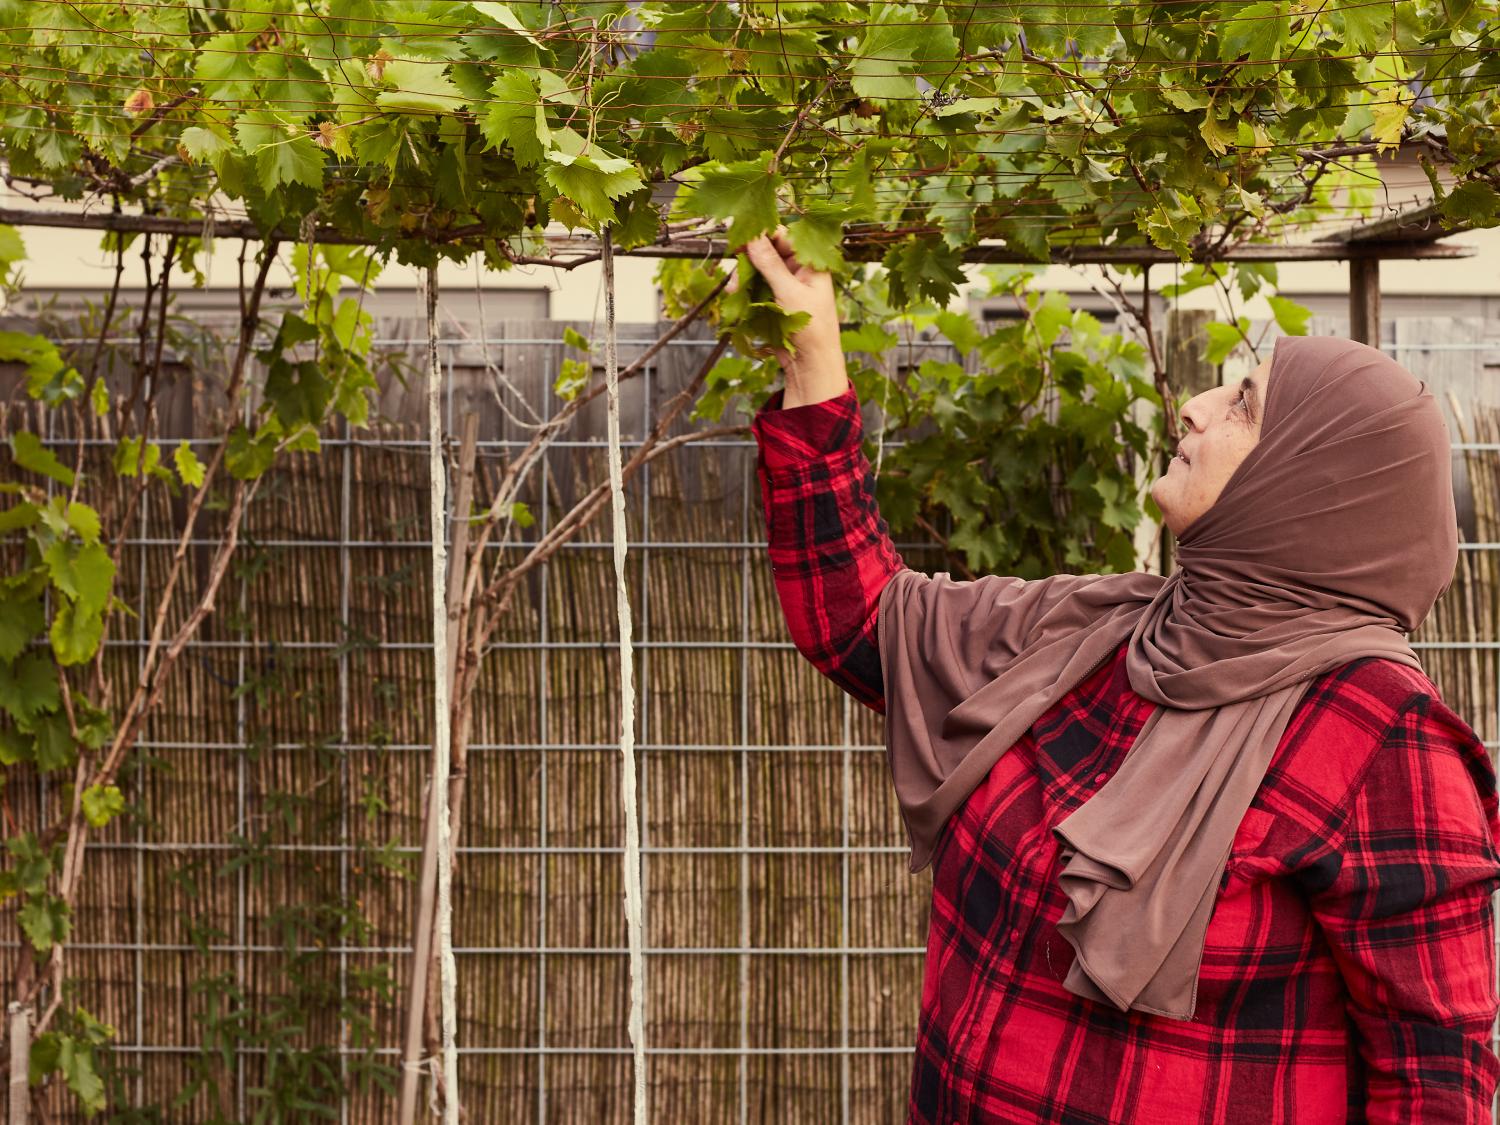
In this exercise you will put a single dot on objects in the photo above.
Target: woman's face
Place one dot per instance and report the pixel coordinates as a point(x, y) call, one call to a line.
point(1220, 427)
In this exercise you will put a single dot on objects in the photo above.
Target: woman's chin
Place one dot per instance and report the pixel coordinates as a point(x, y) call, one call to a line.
point(1164, 492)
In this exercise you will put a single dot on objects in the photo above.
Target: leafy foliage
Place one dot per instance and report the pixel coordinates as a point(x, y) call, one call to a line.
point(434, 127)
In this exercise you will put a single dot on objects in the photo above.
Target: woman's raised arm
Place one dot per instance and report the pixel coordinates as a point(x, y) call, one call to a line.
point(831, 553)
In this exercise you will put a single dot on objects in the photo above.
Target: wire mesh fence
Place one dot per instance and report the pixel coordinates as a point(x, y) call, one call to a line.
point(784, 935)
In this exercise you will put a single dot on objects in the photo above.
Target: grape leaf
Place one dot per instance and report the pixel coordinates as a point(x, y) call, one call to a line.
point(419, 87)
point(30, 453)
point(818, 235)
point(1290, 316)
point(28, 688)
point(102, 803)
point(1367, 27)
point(592, 182)
point(515, 118)
point(284, 153)
point(743, 192)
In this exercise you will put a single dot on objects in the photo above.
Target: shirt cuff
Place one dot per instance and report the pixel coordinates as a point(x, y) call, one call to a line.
point(799, 435)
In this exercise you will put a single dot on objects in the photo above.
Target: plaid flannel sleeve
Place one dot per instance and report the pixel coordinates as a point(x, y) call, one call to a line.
point(1405, 902)
point(831, 553)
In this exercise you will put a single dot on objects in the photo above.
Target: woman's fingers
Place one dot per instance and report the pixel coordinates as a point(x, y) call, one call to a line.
point(764, 256)
point(774, 257)
point(783, 246)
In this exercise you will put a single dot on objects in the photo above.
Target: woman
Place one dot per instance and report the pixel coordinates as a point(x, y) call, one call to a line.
point(1207, 847)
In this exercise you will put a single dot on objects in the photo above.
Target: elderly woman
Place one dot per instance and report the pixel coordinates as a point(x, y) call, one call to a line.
point(1206, 847)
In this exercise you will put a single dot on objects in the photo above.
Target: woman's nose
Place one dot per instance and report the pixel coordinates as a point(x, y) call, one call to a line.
point(1190, 411)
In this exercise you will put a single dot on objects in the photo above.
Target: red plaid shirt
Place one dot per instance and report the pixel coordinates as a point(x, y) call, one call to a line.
point(1350, 963)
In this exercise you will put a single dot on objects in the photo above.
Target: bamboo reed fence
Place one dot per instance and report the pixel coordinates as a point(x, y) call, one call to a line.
point(784, 933)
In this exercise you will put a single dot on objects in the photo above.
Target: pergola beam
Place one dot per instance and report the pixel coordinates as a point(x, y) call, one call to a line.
point(587, 249)
point(1419, 224)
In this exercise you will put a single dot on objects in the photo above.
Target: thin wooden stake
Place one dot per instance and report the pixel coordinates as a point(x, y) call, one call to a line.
point(437, 840)
point(458, 620)
point(633, 937)
point(20, 1064)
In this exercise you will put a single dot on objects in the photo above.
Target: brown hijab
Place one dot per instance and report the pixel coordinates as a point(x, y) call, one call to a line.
point(1330, 542)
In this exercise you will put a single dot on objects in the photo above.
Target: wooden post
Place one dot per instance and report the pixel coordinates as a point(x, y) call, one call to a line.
point(19, 1030)
point(1187, 344)
point(1188, 373)
point(1364, 301)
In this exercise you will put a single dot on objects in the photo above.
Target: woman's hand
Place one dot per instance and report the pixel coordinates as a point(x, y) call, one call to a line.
point(816, 372)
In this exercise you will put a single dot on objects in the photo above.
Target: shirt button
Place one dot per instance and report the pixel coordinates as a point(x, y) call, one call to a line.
point(1101, 778)
point(1015, 935)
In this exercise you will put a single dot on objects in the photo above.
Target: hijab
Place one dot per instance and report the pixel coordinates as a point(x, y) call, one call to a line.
point(1330, 542)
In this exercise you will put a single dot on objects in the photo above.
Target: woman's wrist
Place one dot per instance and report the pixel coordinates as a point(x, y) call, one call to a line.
point(814, 377)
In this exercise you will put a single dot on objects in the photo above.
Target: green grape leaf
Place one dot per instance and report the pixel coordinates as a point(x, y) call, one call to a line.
point(743, 193)
point(1367, 27)
point(1225, 338)
point(1473, 202)
point(28, 688)
point(1219, 136)
point(817, 235)
point(923, 269)
point(225, 66)
point(22, 619)
point(419, 87)
point(515, 118)
point(85, 574)
point(130, 460)
point(49, 377)
point(189, 468)
point(12, 249)
point(1255, 31)
point(19, 516)
point(84, 521)
point(30, 454)
point(247, 456)
point(1290, 316)
point(205, 144)
point(900, 43)
point(15, 748)
point(53, 745)
point(592, 182)
point(572, 378)
point(75, 633)
point(76, 1061)
point(102, 803)
point(44, 919)
point(506, 18)
point(959, 328)
point(284, 152)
